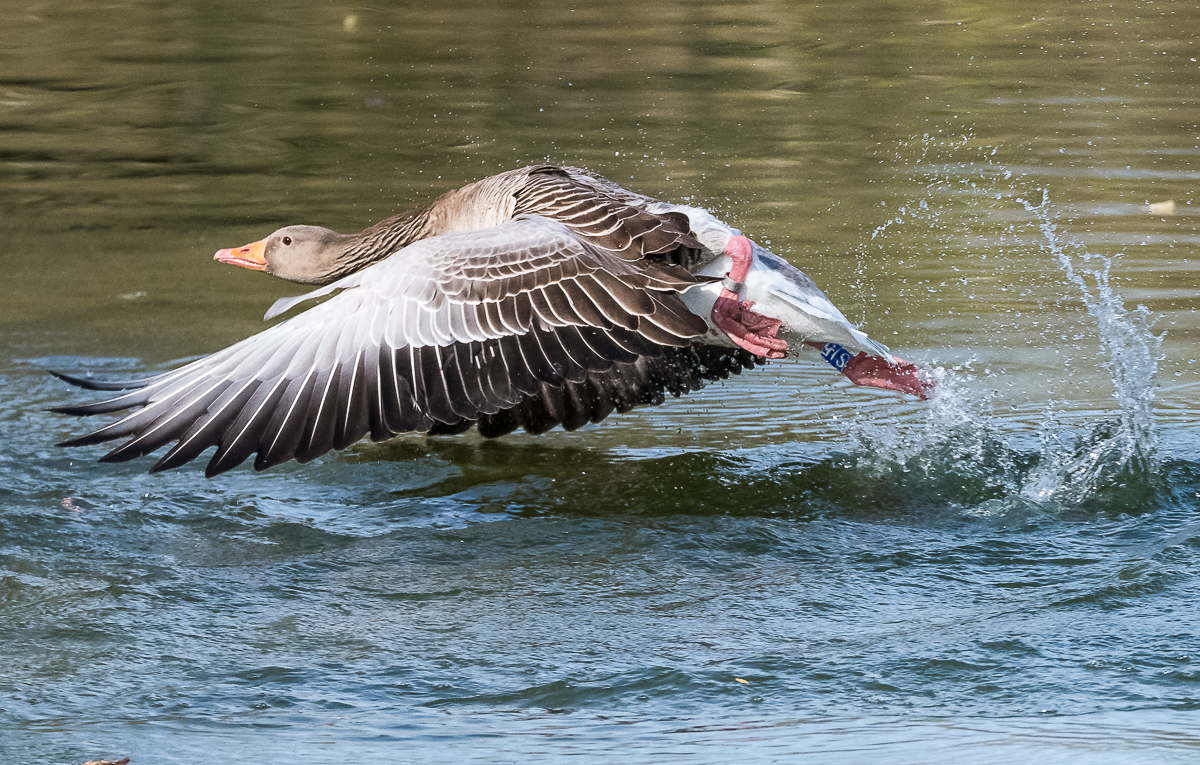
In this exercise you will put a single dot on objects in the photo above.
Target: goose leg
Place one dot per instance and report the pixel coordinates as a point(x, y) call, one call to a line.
point(876, 372)
point(752, 331)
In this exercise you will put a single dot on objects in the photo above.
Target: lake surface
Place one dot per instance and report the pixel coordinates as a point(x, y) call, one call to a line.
point(780, 565)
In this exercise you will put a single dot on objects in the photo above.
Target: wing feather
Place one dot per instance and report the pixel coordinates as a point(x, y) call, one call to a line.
point(451, 330)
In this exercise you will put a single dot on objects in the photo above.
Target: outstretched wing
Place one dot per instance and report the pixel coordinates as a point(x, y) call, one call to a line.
point(448, 331)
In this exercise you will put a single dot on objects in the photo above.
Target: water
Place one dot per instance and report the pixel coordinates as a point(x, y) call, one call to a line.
point(1003, 573)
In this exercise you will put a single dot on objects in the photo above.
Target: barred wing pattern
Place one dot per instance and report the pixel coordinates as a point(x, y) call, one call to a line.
point(449, 331)
point(600, 215)
point(643, 382)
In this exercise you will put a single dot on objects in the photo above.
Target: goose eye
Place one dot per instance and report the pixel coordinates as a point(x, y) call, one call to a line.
point(287, 240)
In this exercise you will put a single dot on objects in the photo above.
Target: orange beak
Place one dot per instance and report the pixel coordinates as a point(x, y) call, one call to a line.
point(249, 256)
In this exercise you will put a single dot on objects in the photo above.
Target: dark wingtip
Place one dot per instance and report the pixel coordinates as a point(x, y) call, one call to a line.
point(99, 407)
point(65, 377)
point(171, 460)
point(65, 410)
point(212, 471)
point(85, 440)
point(119, 455)
point(87, 384)
point(78, 382)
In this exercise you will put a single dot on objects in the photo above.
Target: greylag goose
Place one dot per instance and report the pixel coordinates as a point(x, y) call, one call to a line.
point(538, 297)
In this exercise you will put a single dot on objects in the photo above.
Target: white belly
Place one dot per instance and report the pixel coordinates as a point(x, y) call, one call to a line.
point(782, 291)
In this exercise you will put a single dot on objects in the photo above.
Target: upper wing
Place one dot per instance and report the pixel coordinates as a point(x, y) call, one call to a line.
point(605, 214)
point(448, 330)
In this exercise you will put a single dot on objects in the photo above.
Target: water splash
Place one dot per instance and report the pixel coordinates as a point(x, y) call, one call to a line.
point(1110, 454)
point(969, 458)
point(960, 456)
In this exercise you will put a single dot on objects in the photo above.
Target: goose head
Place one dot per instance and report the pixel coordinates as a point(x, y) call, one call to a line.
point(306, 254)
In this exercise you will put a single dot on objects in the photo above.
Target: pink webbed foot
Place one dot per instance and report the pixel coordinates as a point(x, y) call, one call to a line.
point(875, 372)
point(752, 331)
point(749, 330)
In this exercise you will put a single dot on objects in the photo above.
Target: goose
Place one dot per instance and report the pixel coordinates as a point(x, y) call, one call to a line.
point(540, 297)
